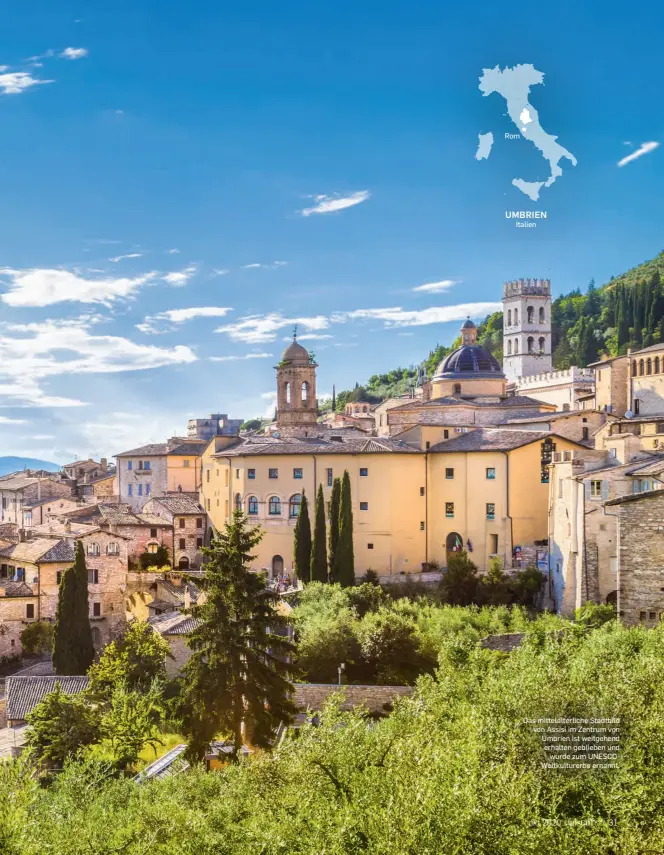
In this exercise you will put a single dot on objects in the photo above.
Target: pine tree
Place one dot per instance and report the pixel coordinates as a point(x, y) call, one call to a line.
point(335, 501)
point(302, 542)
point(73, 650)
point(239, 667)
point(344, 560)
point(318, 545)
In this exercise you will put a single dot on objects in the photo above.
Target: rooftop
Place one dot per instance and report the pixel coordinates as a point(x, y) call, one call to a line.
point(635, 497)
point(179, 503)
point(173, 623)
point(24, 693)
point(509, 401)
point(493, 439)
point(183, 447)
point(253, 446)
point(40, 550)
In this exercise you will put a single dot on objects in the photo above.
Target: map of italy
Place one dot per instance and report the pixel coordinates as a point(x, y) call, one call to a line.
point(514, 85)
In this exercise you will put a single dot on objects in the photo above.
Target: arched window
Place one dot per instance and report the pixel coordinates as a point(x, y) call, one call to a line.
point(113, 549)
point(516, 316)
point(541, 314)
point(274, 506)
point(531, 344)
point(531, 314)
point(288, 393)
point(509, 317)
point(634, 368)
point(357, 409)
point(516, 345)
point(294, 506)
point(641, 366)
point(252, 506)
point(277, 565)
point(656, 368)
point(305, 391)
point(183, 563)
point(152, 548)
point(238, 502)
point(649, 366)
point(541, 344)
point(93, 549)
point(509, 347)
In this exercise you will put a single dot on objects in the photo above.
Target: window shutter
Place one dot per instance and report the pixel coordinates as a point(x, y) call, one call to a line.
point(587, 489)
point(605, 491)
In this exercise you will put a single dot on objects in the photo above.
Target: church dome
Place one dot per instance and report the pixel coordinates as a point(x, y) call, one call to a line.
point(468, 325)
point(295, 353)
point(468, 361)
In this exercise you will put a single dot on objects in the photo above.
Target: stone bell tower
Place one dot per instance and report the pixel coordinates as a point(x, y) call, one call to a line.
point(526, 328)
point(297, 407)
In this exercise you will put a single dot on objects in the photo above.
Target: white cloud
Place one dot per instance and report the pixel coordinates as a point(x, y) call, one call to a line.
point(173, 251)
point(43, 436)
point(398, 317)
point(330, 204)
point(46, 286)
point(220, 271)
point(645, 148)
point(7, 421)
point(117, 258)
point(260, 266)
point(309, 337)
point(436, 287)
point(66, 347)
point(180, 277)
point(15, 82)
point(74, 53)
point(256, 329)
point(271, 398)
point(179, 316)
point(238, 358)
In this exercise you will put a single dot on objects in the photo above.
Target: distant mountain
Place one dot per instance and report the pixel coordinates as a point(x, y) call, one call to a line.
point(16, 464)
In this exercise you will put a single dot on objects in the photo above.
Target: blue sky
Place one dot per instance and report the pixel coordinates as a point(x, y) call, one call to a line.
point(231, 133)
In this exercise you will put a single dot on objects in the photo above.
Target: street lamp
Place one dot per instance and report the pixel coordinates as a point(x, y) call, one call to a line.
point(341, 668)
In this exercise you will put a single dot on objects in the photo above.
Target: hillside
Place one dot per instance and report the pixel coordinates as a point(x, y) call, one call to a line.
point(16, 464)
point(626, 312)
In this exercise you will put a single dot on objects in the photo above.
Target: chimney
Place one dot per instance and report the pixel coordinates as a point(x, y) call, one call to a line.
point(67, 526)
point(187, 597)
point(21, 535)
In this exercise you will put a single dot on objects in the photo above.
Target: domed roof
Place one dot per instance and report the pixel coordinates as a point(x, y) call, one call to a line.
point(295, 353)
point(468, 325)
point(469, 359)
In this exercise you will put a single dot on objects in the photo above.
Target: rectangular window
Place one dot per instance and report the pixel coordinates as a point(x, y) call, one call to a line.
point(427, 445)
point(153, 532)
point(364, 472)
point(449, 509)
point(207, 476)
point(181, 522)
point(652, 615)
point(199, 522)
point(183, 543)
point(446, 434)
point(560, 488)
point(272, 473)
point(642, 615)
point(364, 506)
point(237, 474)
point(329, 478)
point(369, 545)
point(140, 465)
point(494, 544)
point(199, 542)
point(422, 526)
point(130, 491)
point(251, 474)
point(130, 465)
point(660, 427)
point(93, 576)
point(96, 610)
point(490, 511)
point(185, 463)
point(208, 504)
point(147, 489)
point(449, 474)
point(421, 491)
point(29, 610)
point(297, 473)
point(140, 489)
point(585, 433)
point(637, 406)
point(613, 564)
point(491, 473)
point(147, 465)
point(595, 489)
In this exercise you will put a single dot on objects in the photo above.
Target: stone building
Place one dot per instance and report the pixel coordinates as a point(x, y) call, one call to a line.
point(84, 471)
point(25, 488)
point(632, 383)
point(566, 389)
point(159, 469)
point(639, 572)
point(216, 424)
point(187, 520)
point(526, 328)
point(297, 407)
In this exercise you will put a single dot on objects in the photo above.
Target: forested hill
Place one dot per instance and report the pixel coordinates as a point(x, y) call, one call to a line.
point(626, 312)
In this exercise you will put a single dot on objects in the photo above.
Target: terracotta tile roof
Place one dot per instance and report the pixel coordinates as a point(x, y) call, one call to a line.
point(24, 693)
point(40, 550)
point(344, 445)
point(510, 401)
point(494, 439)
point(159, 449)
point(18, 589)
point(180, 503)
point(635, 497)
point(173, 624)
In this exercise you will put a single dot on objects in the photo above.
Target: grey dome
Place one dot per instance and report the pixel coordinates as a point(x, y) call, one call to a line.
point(469, 360)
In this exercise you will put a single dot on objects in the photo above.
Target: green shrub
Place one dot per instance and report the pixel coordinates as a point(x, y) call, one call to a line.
point(37, 638)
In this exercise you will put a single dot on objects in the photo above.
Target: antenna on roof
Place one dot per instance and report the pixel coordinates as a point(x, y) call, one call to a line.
point(295, 333)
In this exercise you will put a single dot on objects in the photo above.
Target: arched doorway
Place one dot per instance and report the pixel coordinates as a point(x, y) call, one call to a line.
point(453, 543)
point(183, 563)
point(612, 598)
point(277, 566)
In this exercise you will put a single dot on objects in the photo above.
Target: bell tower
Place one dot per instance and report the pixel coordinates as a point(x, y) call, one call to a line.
point(297, 407)
point(526, 328)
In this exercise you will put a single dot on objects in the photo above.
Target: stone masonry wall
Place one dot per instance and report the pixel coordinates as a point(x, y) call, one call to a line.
point(641, 567)
point(375, 698)
point(185, 528)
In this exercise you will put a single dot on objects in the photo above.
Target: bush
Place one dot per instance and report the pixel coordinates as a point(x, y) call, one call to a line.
point(37, 638)
point(458, 586)
point(366, 598)
point(593, 615)
point(160, 558)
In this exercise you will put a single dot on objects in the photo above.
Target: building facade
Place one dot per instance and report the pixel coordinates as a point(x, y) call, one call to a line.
point(158, 469)
point(526, 328)
point(216, 424)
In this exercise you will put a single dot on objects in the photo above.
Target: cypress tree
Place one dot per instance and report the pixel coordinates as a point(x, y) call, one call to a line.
point(318, 546)
point(238, 672)
point(335, 501)
point(344, 561)
point(302, 544)
point(73, 650)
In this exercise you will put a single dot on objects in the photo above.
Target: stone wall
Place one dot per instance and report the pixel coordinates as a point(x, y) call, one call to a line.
point(140, 536)
point(377, 699)
point(185, 529)
point(641, 564)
